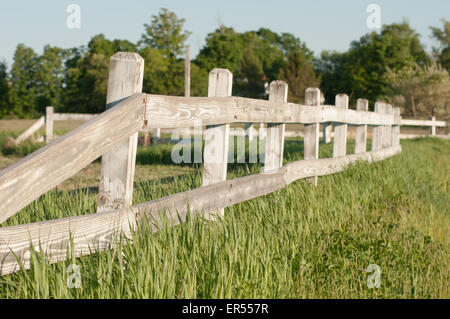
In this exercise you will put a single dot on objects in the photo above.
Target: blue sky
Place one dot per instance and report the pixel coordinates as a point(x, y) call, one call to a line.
point(321, 24)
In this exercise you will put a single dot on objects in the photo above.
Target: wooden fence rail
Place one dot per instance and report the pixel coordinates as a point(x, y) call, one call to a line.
point(113, 135)
point(31, 130)
point(327, 133)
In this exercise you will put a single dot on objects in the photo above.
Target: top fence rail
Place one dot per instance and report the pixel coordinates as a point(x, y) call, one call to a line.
point(175, 112)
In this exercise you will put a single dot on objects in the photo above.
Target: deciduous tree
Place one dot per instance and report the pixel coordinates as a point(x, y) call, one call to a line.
point(443, 37)
point(360, 72)
point(23, 82)
point(165, 32)
point(422, 91)
point(299, 75)
point(5, 105)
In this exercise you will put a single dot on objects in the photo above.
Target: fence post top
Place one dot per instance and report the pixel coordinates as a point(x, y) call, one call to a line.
point(221, 71)
point(220, 83)
point(127, 56)
point(278, 90)
point(278, 83)
point(312, 96)
point(313, 90)
point(396, 111)
point(342, 100)
point(379, 107)
point(388, 108)
point(362, 105)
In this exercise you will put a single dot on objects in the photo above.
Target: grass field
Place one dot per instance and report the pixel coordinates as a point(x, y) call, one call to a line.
point(300, 242)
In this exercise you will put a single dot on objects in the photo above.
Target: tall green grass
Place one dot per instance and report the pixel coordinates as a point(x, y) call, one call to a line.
point(300, 242)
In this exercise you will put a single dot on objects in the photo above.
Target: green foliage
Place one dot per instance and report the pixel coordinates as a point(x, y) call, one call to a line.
point(250, 78)
point(162, 75)
point(223, 49)
point(23, 82)
point(156, 70)
point(334, 72)
point(36, 81)
point(87, 74)
point(87, 84)
point(100, 45)
point(360, 72)
point(160, 46)
point(8, 147)
point(299, 74)
point(254, 58)
point(49, 78)
point(5, 104)
point(166, 76)
point(443, 37)
point(421, 90)
point(165, 33)
point(199, 80)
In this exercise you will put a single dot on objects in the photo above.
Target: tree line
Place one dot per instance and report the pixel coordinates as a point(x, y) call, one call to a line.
point(390, 65)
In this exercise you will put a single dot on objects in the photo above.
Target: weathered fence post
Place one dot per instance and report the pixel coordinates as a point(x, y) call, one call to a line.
point(262, 135)
point(187, 72)
point(340, 129)
point(156, 136)
point(126, 73)
point(361, 130)
point(249, 131)
point(146, 139)
point(278, 92)
point(387, 129)
point(377, 133)
point(311, 136)
point(433, 127)
point(395, 136)
point(216, 136)
point(327, 129)
point(252, 143)
point(49, 111)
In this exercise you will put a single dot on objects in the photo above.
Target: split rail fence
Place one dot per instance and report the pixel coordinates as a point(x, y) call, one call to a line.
point(113, 135)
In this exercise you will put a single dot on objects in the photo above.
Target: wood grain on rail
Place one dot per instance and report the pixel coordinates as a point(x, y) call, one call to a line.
point(175, 112)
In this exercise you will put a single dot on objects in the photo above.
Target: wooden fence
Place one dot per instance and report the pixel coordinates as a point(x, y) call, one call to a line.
point(326, 134)
point(113, 135)
point(31, 130)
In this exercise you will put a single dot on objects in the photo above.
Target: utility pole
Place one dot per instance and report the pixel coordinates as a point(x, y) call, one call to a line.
point(187, 72)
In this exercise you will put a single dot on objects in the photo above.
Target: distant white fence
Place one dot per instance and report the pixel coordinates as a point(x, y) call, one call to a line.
point(432, 124)
point(48, 121)
point(31, 130)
